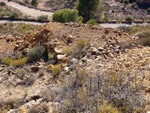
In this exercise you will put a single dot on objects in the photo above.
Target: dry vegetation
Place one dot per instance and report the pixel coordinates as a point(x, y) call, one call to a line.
point(73, 68)
point(17, 29)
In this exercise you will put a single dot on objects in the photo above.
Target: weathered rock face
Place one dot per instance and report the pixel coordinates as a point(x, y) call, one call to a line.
point(142, 1)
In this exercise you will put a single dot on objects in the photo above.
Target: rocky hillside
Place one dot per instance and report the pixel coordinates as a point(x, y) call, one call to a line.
point(71, 51)
point(115, 10)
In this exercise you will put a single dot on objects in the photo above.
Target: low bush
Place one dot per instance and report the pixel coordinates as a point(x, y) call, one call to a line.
point(14, 62)
point(144, 38)
point(13, 15)
point(77, 50)
point(42, 17)
point(129, 19)
point(56, 69)
point(108, 92)
point(34, 2)
point(35, 54)
point(2, 4)
point(67, 15)
point(106, 18)
point(92, 21)
point(50, 56)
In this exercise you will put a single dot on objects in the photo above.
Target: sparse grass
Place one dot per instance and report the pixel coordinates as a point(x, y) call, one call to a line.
point(129, 18)
point(144, 38)
point(17, 29)
point(14, 62)
point(56, 69)
point(42, 17)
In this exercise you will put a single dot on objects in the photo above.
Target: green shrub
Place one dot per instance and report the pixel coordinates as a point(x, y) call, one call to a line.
point(35, 54)
point(148, 10)
point(13, 15)
point(25, 17)
point(50, 56)
point(14, 62)
point(67, 15)
point(2, 4)
point(106, 18)
point(34, 2)
point(125, 28)
point(130, 19)
point(92, 21)
point(42, 17)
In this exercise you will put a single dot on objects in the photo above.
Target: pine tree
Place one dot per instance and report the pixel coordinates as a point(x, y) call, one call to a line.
point(90, 9)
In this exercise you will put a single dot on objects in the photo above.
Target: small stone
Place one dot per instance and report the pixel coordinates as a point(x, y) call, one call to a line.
point(100, 48)
point(25, 51)
point(60, 57)
point(66, 69)
point(11, 71)
point(35, 69)
point(94, 51)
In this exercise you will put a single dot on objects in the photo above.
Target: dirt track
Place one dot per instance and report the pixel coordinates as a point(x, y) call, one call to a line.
point(27, 11)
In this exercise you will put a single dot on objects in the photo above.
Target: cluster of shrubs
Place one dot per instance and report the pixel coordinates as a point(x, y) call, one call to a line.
point(33, 55)
point(106, 92)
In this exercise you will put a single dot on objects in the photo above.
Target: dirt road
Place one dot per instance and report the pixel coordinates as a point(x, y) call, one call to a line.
point(27, 11)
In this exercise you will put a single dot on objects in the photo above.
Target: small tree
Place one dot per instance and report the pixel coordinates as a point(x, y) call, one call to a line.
point(34, 2)
point(90, 9)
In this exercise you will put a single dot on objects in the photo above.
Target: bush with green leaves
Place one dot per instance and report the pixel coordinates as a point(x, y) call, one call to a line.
point(106, 18)
point(92, 21)
point(67, 15)
point(90, 9)
point(129, 19)
point(34, 2)
point(42, 17)
point(13, 15)
point(2, 4)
